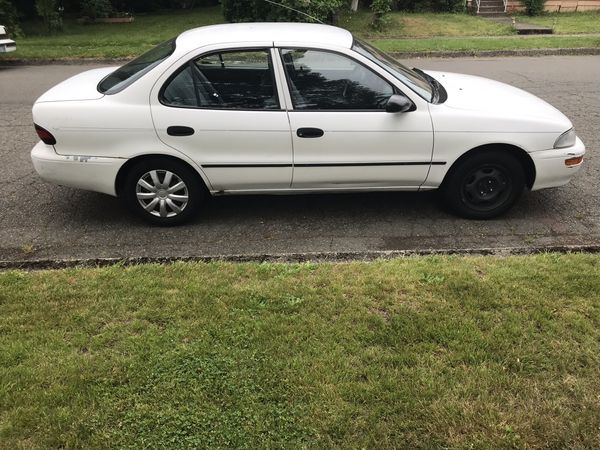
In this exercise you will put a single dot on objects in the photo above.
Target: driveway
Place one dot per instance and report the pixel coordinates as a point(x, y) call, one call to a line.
point(42, 221)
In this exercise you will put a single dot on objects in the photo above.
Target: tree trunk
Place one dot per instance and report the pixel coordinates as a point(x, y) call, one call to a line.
point(354, 5)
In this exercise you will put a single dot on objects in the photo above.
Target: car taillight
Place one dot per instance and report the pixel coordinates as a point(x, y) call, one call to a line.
point(45, 135)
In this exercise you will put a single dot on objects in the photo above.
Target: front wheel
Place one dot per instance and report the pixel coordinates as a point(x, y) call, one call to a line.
point(163, 191)
point(484, 185)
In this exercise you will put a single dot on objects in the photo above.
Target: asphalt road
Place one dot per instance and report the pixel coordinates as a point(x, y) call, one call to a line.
point(43, 221)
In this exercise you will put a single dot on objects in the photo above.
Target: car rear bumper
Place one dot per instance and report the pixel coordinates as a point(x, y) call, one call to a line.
point(84, 172)
point(551, 169)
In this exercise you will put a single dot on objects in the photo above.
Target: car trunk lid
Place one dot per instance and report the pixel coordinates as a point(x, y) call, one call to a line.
point(83, 86)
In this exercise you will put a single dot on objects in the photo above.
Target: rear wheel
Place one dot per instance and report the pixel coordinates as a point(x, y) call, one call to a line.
point(163, 191)
point(484, 185)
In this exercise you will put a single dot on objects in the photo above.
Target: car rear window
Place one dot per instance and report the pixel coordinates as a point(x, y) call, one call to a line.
point(134, 70)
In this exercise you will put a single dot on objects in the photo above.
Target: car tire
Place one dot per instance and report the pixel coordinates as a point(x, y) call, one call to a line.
point(163, 191)
point(484, 185)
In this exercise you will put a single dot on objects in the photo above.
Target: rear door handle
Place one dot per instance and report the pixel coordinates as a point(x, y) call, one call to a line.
point(310, 132)
point(180, 131)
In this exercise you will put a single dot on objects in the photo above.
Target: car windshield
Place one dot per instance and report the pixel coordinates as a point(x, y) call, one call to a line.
point(134, 70)
point(410, 78)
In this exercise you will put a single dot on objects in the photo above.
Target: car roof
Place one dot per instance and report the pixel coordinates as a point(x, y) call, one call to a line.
point(305, 33)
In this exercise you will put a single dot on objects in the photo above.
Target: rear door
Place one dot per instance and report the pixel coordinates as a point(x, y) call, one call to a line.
point(222, 109)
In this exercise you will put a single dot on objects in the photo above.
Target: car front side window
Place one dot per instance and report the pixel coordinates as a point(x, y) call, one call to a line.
point(324, 80)
point(239, 80)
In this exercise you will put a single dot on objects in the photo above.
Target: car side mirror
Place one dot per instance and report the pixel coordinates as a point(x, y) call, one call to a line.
point(398, 103)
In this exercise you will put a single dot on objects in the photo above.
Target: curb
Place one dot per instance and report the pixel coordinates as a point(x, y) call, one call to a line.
point(400, 55)
point(500, 53)
point(323, 257)
point(63, 61)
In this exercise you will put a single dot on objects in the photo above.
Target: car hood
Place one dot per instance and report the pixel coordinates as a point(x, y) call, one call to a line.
point(478, 94)
point(83, 86)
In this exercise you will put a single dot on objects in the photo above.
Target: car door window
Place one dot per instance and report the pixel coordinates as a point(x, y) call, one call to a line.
point(322, 80)
point(241, 79)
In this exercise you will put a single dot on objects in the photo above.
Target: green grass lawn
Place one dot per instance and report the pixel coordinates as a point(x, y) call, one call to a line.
point(423, 25)
point(112, 40)
point(569, 23)
point(433, 352)
point(405, 32)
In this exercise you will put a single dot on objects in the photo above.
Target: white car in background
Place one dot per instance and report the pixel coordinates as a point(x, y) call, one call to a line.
point(276, 108)
point(6, 44)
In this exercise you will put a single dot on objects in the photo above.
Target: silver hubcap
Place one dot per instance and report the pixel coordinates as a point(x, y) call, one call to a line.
point(162, 193)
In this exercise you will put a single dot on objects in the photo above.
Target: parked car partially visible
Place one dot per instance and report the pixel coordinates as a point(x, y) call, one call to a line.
point(6, 44)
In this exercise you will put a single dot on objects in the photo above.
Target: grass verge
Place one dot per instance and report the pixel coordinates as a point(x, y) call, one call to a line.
point(485, 43)
point(452, 352)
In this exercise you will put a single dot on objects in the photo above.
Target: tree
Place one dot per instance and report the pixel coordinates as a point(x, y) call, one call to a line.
point(48, 11)
point(8, 17)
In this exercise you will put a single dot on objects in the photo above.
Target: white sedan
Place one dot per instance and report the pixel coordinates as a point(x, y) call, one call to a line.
point(293, 108)
point(6, 45)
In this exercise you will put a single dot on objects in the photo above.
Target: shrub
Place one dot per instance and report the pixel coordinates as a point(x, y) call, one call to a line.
point(452, 6)
point(380, 10)
point(534, 7)
point(188, 4)
point(261, 11)
point(96, 8)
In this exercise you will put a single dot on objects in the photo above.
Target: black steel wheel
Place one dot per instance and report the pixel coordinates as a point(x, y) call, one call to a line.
point(484, 185)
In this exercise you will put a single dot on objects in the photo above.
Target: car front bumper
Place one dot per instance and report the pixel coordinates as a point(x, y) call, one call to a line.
point(551, 169)
point(83, 172)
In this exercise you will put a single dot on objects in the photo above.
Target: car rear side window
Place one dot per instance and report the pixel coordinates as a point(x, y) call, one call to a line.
point(241, 79)
point(134, 70)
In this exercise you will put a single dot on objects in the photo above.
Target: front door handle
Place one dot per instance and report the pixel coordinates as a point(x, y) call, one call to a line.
point(180, 131)
point(310, 132)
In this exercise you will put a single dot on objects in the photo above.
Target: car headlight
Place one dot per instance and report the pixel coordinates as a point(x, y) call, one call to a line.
point(567, 139)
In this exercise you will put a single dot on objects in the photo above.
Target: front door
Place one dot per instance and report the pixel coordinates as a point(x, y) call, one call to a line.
point(222, 110)
point(343, 137)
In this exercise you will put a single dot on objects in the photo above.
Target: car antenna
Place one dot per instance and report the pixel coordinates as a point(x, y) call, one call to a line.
point(295, 10)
